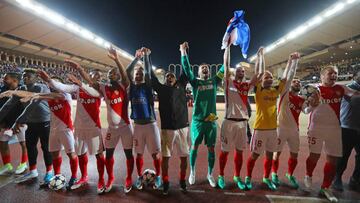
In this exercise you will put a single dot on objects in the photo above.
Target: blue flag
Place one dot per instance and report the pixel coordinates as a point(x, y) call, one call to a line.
point(237, 33)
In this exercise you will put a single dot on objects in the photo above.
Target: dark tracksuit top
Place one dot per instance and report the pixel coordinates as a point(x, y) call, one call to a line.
point(172, 103)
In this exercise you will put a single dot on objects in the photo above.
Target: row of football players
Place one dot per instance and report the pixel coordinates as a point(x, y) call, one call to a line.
point(173, 114)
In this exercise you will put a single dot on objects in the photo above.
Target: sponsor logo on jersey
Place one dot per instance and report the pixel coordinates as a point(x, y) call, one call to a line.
point(242, 92)
point(267, 98)
point(330, 101)
point(206, 87)
point(87, 101)
point(56, 107)
point(116, 100)
point(139, 100)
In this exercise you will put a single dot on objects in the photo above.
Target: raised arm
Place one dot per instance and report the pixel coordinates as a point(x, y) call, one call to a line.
point(147, 65)
point(185, 62)
point(291, 67)
point(227, 63)
point(154, 81)
point(43, 96)
point(112, 53)
point(260, 61)
point(130, 67)
point(91, 91)
point(82, 72)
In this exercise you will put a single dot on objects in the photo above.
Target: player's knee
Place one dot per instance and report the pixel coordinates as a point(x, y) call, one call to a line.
point(293, 155)
point(254, 155)
point(109, 152)
point(128, 153)
point(314, 156)
point(155, 156)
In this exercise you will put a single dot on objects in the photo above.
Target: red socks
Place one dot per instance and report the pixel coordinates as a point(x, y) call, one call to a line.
point(329, 174)
point(57, 165)
point(100, 162)
point(129, 167)
point(109, 163)
point(222, 161)
point(48, 168)
point(157, 164)
point(139, 164)
point(33, 167)
point(24, 158)
point(6, 158)
point(267, 167)
point(238, 160)
point(83, 161)
point(182, 174)
point(275, 165)
point(310, 166)
point(250, 165)
point(74, 163)
point(292, 165)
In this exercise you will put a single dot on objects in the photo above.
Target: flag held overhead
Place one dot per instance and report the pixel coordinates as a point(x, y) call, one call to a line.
point(237, 33)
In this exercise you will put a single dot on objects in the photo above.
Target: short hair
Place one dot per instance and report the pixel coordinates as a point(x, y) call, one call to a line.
point(14, 75)
point(327, 68)
point(139, 67)
point(30, 70)
point(169, 72)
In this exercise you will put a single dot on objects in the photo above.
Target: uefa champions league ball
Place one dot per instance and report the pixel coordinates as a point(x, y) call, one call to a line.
point(57, 182)
point(148, 177)
point(308, 90)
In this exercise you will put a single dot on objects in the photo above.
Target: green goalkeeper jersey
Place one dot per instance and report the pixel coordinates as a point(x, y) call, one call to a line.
point(204, 91)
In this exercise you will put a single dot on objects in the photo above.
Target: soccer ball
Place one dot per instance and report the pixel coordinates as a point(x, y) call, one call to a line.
point(308, 90)
point(148, 177)
point(57, 182)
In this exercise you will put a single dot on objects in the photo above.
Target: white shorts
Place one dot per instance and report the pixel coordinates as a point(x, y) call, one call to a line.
point(332, 139)
point(125, 132)
point(148, 135)
point(92, 145)
point(291, 136)
point(179, 138)
point(264, 140)
point(233, 133)
point(6, 134)
point(60, 139)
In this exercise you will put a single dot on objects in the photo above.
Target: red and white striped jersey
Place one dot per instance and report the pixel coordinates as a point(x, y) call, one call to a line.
point(290, 107)
point(236, 99)
point(61, 113)
point(117, 103)
point(327, 114)
point(87, 107)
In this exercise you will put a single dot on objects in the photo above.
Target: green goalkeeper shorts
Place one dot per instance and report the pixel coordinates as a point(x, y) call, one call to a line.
point(201, 130)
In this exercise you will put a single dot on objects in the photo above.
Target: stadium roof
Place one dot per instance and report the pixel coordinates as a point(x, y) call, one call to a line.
point(30, 27)
point(333, 32)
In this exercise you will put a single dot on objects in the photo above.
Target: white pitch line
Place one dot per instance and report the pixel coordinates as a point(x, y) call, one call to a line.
point(197, 191)
point(235, 193)
point(273, 198)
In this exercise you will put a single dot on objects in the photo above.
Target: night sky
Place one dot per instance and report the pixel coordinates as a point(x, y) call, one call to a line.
point(162, 25)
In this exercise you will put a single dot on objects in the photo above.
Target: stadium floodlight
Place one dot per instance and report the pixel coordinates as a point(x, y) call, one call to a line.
point(51, 16)
point(338, 7)
point(350, 1)
point(310, 24)
point(55, 18)
point(315, 21)
point(100, 41)
point(87, 34)
point(72, 27)
point(270, 48)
